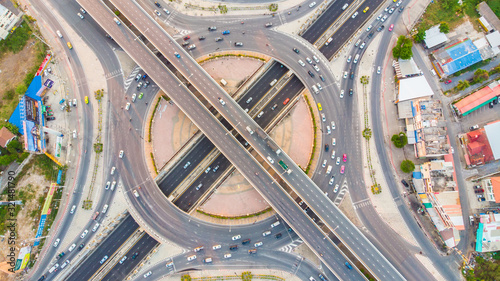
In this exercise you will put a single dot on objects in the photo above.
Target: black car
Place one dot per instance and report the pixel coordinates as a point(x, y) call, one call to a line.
point(491, 105)
point(246, 241)
point(81, 246)
point(278, 236)
point(296, 50)
point(42, 278)
point(157, 4)
point(146, 84)
point(327, 147)
point(311, 74)
point(50, 118)
point(370, 35)
point(352, 74)
point(405, 183)
point(201, 38)
point(322, 78)
point(350, 92)
point(380, 28)
point(233, 247)
point(401, 9)
point(135, 255)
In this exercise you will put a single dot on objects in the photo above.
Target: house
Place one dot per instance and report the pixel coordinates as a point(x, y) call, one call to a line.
point(5, 137)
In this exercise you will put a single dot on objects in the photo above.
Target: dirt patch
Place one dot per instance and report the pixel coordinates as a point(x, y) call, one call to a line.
point(14, 67)
point(347, 208)
point(32, 188)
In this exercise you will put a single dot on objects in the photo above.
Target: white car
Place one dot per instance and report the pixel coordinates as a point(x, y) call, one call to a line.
point(222, 102)
point(81, 16)
point(324, 163)
point(399, 3)
point(336, 189)
point(84, 234)
point(349, 59)
point(362, 45)
point(316, 68)
point(329, 41)
point(323, 117)
point(309, 61)
point(123, 259)
point(107, 185)
point(127, 106)
point(57, 242)
point(216, 247)
point(74, 134)
point(191, 258)
point(379, 17)
point(266, 233)
point(391, 11)
point(312, 4)
point(334, 142)
point(333, 125)
point(384, 18)
point(342, 94)
point(105, 258)
point(113, 170)
point(157, 13)
point(74, 102)
point(148, 274)
point(72, 247)
point(236, 237)
point(136, 193)
point(166, 11)
point(338, 161)
point(96, 226)
point(113, 185)
point(121, 154)
point(333, 153)
point(73, 209)
point(319, 86)
point(315, 59)
point(369, 28)
point(345, 6)
point(355, 14)
point(332, 179)
point(258, 244)
point(65, 264)
point(133, 97)
point(378, 70)
point(328, 131)
point(271, 160)
point(301, 63)
point(345, 74)
point(226, 256)
point(105, 208)
point(260, 114)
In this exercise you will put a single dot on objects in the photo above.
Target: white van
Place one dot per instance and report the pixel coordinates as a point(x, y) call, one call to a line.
point(273, 82)
point(356, 58)
point(315, 89)
point(275, 224)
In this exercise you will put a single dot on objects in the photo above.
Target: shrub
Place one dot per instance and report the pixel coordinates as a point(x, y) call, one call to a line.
point(399, 140)
point(407, 166)
point(444, 27)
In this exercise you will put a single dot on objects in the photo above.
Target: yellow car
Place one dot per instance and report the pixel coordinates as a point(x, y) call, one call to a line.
point(86, 99)
point(366, 9)
point(319, 107)
point(69, 45)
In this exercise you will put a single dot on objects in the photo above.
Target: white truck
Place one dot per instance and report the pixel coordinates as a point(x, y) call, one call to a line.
point(329, 169)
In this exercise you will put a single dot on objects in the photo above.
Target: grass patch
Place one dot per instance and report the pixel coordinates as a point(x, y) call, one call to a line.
point(237, 217)
point(230, 55)
point(154, 163)
point(315, 127)
point(151, 121)
point(439, 12)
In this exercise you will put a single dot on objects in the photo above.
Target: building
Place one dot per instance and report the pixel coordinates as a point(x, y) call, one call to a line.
point(434, 38)
point(487, 13)
point(406, 68)
point(436, 186)
point(8, 18)
point(455, 57)
point(5, 137)
point(488, 233)
point(478, 99)
point(482, 145)
point(494, 40)
point(491, 188)
point(413, 88)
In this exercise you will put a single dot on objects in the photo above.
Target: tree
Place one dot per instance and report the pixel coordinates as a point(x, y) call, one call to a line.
point(444, 27)
point(420, 36)
point(403, 48)
point(21, 89)
point(462, 85)
point(399, 140)
point(480, 75)
point(407, 166)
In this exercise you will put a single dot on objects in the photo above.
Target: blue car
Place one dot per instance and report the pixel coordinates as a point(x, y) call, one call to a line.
point(177, 55)
point(62, 101)
point(348, 265)
point(226, 32)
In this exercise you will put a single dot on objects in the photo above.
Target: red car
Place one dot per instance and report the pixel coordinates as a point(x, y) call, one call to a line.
point(391, 27)
point(187, 37)
point(344, 157)
point(447, 82)
point(286, 101)
point(342, 169)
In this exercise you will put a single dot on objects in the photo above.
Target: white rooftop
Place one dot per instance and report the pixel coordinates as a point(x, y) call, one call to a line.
point(434, 37)
point(493, 134)
point(494, 38)
point(414, 87)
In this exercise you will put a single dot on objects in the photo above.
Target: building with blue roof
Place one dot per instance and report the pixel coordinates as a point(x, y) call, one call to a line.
point(455, 57)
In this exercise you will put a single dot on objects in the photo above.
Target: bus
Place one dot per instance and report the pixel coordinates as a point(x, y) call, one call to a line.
point(69, 45)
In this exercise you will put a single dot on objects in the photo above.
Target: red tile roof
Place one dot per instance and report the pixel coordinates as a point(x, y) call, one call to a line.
point(476, 99)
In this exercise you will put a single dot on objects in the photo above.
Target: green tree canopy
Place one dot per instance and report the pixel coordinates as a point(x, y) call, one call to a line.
point(420, 36)
point(403, 48)
point(407, 166)
point(399, 140)
point(480, 76)
point(444, 27)
point(462, 85)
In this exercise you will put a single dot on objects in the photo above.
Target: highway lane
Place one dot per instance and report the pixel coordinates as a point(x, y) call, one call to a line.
point(87, 268)
point(231, 147)
point(233, 112)
point(134, 256)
